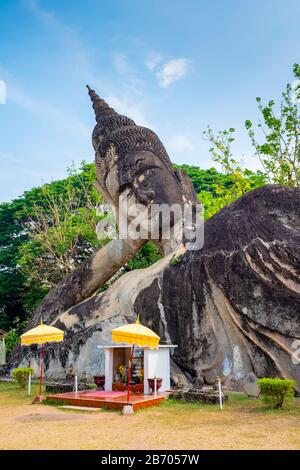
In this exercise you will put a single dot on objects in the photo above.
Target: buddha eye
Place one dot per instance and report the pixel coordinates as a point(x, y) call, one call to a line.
point(146, 182)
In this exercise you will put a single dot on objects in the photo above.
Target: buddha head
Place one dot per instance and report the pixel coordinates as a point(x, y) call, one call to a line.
point(132, 162)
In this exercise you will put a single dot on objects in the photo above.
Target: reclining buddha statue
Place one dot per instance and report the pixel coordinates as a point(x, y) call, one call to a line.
point(232, 306)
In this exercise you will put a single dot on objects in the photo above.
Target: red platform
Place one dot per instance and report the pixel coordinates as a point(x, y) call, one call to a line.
point(101, 399)
point(103, 394)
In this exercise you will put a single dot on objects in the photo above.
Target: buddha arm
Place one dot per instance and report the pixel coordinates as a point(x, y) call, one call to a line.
point(87, 278)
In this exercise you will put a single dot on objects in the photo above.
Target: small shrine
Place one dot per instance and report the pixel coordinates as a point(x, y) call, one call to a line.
point(147, 365)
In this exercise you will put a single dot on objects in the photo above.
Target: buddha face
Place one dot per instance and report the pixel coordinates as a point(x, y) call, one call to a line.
point(143, 179)
point(146, 179)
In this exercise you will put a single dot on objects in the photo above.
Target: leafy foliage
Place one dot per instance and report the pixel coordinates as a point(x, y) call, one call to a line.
point(12, 339)
point(206, 180)
point(12, 309)
point(175, 260)
point(61, 231)
point(296, 70)
point(276, 392)
point(146, 256)
point(279, 152)
point(235, 181)
point(43, 235)
point(21, 375)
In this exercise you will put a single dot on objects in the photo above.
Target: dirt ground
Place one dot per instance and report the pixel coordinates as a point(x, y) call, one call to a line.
point(243, 424)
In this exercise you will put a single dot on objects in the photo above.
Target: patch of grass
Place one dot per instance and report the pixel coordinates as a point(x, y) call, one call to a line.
point(289, 409)
point(234, 398)
point(175, 403)
point(243, 424)
point(55, 403)
point(238, 397)
point(5, 386)
point(11, 393)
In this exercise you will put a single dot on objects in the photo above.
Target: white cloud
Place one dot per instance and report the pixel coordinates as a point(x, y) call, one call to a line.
point(153, 60)
point(172, 71)
point(180, 143)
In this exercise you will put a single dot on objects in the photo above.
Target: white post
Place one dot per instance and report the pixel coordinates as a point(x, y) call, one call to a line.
point(4, 351)
point(76, 384)
point(220, 393)
point(29, 384)
point(146, 371)
point(109, 358)
point(155, 386)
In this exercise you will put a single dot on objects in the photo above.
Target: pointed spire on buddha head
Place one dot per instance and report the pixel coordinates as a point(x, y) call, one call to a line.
point(101, 108)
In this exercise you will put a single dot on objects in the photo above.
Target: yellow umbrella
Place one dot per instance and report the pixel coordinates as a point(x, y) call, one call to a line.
point(40, 335)
point(135, 333)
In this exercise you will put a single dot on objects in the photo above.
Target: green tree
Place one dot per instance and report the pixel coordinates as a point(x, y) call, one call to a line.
point(61, 232)
point(279, 149)
point(22, 238)
point(12, 290)
point(206, 180)
point(235, 180)
point(12, 337)
point(275, 392)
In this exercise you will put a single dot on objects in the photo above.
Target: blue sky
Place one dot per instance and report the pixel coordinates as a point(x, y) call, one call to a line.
point(173, 65)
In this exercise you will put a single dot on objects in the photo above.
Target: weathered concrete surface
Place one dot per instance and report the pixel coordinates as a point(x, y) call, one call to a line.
point(232, 307)
point(251, 386)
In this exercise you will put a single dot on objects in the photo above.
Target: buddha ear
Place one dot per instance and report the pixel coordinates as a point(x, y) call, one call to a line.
point(186, 185)
point(103, 192)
